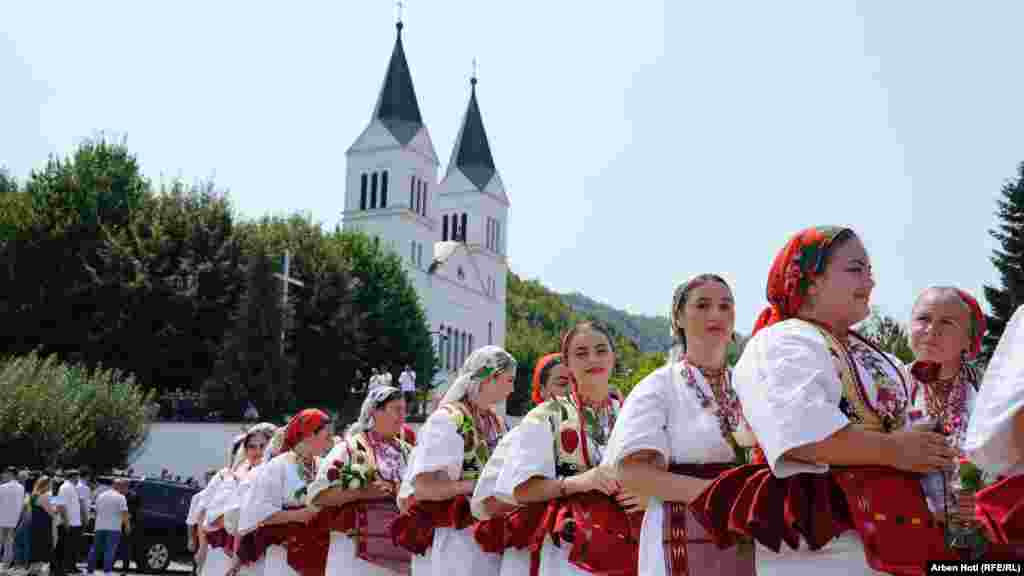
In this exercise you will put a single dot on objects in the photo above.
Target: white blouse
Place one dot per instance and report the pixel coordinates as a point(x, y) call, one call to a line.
point(274, 486)
point(438, 447)
point(990, 435)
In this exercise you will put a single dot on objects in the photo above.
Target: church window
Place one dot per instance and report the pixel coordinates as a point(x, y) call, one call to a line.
point(384, 189)
point(419, 198)
point(490, 333)
point(448, 345)
point(464, 226)
point(373, 191)
point(471, 342)
point(419, 255)
point(362, 192)
point(412, 190)
point(412, 249)
point(465, 350)
point(444, 228)
point(426, 194)
point(497, 236)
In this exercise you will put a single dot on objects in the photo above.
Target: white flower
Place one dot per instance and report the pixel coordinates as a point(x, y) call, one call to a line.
point(744, 436)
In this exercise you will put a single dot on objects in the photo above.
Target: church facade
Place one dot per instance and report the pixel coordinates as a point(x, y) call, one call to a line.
point(450, 232)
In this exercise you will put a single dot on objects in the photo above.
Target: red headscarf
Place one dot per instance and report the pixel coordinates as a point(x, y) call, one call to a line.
point(302, 426)
point(544, 362)
point(794, 267)
point(978, 323)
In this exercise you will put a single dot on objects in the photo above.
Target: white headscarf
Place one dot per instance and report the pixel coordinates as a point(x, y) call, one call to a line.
point(482, 364)
point(990, 442)
point(375, 399)
point(265, 428)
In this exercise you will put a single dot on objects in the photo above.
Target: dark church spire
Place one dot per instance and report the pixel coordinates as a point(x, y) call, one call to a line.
point(397, 107)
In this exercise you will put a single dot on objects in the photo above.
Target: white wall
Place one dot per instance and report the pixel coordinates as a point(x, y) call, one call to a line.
point(185, 448)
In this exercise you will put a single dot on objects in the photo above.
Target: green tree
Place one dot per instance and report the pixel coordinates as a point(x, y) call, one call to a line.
point(56, 414)
point(1008, 258)
point(888, 334)
point(253, 366)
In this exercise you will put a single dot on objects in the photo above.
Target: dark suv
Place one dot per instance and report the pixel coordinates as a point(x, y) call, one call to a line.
point(159, 510)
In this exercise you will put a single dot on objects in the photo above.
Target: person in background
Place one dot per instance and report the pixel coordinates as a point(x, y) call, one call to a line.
point(111, 518)
point(41, 534)
point(407, 383)
point(127, 543)
point(374, 379)
point(71, 531)
point(12, 498)
point(385, 376)
point(22, 534)
point(85, 496)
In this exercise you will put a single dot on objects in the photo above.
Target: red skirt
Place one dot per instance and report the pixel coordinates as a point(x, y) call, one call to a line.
point(603, 538)
point(414, 531)
point(1000, 509)
point(221, 539)
point(689, 548)
point(305, 544)
point(885, 506)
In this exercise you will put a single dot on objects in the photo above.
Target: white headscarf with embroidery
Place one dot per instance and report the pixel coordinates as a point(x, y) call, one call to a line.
point(375, 399)
point(482, 364)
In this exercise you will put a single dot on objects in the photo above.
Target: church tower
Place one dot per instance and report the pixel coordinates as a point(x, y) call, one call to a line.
point(391, 170)
point(473, 212)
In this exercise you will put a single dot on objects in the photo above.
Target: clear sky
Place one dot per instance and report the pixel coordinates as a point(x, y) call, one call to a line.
point(640, 142)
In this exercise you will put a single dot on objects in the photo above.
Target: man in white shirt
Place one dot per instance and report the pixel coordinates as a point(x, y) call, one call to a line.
point(70, 533)
point(407, 384)
point(12, 499)
point(84, 498)
point(385, 376)
point(374, 380)
point(111, 516)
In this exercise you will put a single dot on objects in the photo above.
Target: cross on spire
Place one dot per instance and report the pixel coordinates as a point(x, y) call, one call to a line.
point(400, 6)
point(472, 79)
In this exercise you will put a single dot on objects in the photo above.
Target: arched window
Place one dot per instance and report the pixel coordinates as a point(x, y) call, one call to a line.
point(373, 191)
point(362, 192)
point(490, 333)
point(448, 346)
point(384, 189)
point(471, 342)
point(444, 228)
point(412, 189)
point(426, 194)
point(464, 226)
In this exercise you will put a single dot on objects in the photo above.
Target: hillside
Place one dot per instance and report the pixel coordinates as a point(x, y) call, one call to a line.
point(650, 333)
point(537, 318)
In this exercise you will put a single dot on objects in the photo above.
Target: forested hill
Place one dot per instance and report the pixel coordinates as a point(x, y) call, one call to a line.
point(650, 333)
point(537, 318)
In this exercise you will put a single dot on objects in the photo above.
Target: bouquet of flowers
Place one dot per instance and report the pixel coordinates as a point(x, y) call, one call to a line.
point(969, 537)
point(352, 475)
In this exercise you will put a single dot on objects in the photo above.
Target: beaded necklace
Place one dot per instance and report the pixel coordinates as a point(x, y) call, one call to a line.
point(727, 409)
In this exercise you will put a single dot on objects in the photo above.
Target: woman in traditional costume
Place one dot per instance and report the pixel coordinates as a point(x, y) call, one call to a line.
point(829, 410)
point(219, 523)
point(502, 527)
point(946, 329)
point(356, 485)
point(680, 427)
point(551, 465)
point(452, 447)
point(274, 519)
point(550, 379)
point(995, 440)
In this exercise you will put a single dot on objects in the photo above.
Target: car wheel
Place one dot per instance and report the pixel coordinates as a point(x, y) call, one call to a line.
point(155, 557)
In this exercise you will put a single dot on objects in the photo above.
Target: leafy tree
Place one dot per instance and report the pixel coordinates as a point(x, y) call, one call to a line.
point(7, 182)
point(1008, 258)
point(253, 366)
point(888, 334)
point(55, 414)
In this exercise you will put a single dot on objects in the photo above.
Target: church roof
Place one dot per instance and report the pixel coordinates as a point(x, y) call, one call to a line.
point(397, 107)
point(472, 153)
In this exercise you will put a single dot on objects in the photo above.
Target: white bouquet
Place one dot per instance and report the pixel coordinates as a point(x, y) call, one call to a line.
point(352, 475)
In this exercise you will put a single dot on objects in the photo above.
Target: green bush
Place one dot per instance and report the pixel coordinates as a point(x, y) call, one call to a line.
point(59, 415)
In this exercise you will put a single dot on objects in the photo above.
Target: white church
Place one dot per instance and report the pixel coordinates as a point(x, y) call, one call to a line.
point(451, 235)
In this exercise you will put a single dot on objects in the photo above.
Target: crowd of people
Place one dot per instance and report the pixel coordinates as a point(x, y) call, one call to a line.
point(818, 453)
point(42, 516)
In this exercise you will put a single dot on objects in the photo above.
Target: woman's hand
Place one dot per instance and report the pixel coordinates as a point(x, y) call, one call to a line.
point(381, 489)
point(599, 479)
point(631, 502)
point(495, 507)
point(921, 452)
point(406, 504)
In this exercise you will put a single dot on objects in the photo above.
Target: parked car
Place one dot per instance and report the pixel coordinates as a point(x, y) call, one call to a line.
point(159, 511)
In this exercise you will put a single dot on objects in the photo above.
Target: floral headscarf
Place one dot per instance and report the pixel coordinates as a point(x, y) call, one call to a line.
point(544, 365)
point(376, 398)
point(482, 364)
point(303, 425)
point(794, 267)
point(978, 323)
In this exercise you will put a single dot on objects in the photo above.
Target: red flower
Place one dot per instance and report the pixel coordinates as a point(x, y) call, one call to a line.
point(570, 440)
point(333, 474)
point(964, 461)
